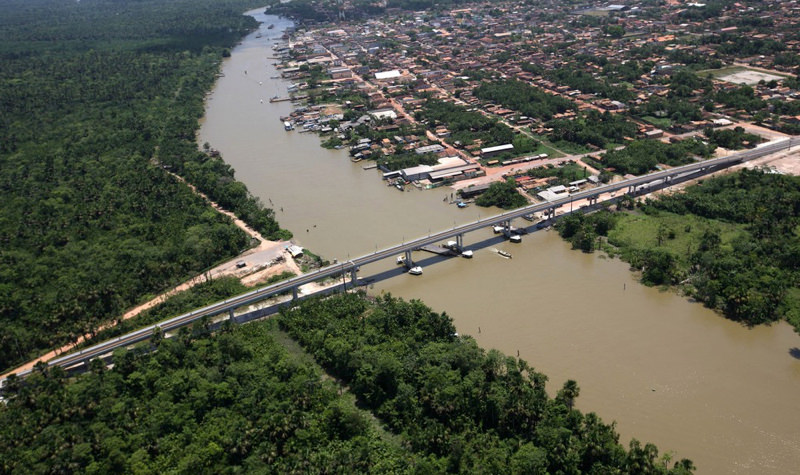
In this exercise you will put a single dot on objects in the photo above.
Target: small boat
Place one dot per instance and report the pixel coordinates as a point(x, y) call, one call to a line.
point(504, 253)
point(416, 270)
point(516, 238)
point(287, 126)
point(461, 204)
point(401, 260)
point(399, 186)
point(467, 254)
point(498, 229)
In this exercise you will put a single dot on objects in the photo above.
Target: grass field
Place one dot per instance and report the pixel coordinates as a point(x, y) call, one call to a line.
point(680, 234)
point(571, 148)
point(545, 146)
point(660, 122)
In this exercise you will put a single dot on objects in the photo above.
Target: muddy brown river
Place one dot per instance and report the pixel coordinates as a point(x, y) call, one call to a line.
point(666, 370)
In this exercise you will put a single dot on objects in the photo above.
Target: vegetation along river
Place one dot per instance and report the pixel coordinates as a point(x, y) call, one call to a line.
point(668, 371)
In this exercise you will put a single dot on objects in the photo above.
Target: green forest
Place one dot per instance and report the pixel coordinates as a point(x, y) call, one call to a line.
point(398, 391)
point(502, 194)
point(101, 98)
point(730, 242)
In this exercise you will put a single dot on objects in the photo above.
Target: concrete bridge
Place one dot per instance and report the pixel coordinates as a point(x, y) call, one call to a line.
point(350, 267)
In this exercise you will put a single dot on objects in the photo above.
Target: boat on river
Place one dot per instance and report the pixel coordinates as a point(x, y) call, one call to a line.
point(467, 254)
point(515, 238)
point(416, 270)
point(504, 253)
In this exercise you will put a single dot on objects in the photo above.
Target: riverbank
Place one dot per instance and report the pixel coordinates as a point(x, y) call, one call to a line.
point(254, 266)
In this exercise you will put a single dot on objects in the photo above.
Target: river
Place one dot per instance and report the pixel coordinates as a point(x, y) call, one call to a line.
point(666, 370)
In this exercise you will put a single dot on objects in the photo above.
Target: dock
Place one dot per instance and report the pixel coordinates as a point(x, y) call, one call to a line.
point(280, 99)
point(371, 166)
point(436, 249)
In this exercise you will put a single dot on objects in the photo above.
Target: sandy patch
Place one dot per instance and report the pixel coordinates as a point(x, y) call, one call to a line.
point(749, 77)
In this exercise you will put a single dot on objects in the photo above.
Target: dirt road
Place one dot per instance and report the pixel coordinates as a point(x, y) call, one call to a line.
point(254, 266)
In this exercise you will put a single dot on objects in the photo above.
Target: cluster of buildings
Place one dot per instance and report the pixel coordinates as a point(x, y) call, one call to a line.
point(401, 59)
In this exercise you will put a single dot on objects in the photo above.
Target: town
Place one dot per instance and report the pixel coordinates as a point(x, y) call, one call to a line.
point(554, 96)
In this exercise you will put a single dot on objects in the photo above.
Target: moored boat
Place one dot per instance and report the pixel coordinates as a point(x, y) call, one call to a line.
point(467, 254)
point(416, 270)
point(504, 253)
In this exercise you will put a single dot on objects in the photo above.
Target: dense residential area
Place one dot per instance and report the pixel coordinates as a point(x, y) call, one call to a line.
point(504, 87)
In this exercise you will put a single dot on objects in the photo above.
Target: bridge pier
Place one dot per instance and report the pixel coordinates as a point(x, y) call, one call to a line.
point(231, 316)
point(353, 276)
point(294, 293)
point(460, 241)
point(409, 263)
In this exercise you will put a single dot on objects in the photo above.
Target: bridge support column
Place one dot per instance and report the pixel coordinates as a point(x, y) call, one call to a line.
point(460, 240)
point(353, 276)
point(294, 293)
point(408, 262)
point(231, 316)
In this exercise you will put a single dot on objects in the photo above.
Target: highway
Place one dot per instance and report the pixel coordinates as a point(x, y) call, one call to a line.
point(292, 284)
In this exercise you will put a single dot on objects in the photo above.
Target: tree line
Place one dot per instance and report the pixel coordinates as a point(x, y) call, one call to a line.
point(98, 97)
point(728, 242)
point(411, 396)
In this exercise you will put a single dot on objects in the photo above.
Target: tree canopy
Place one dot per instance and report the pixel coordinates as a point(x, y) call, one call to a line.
point(250, 399)
point(502, 194)
point(98, 97)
